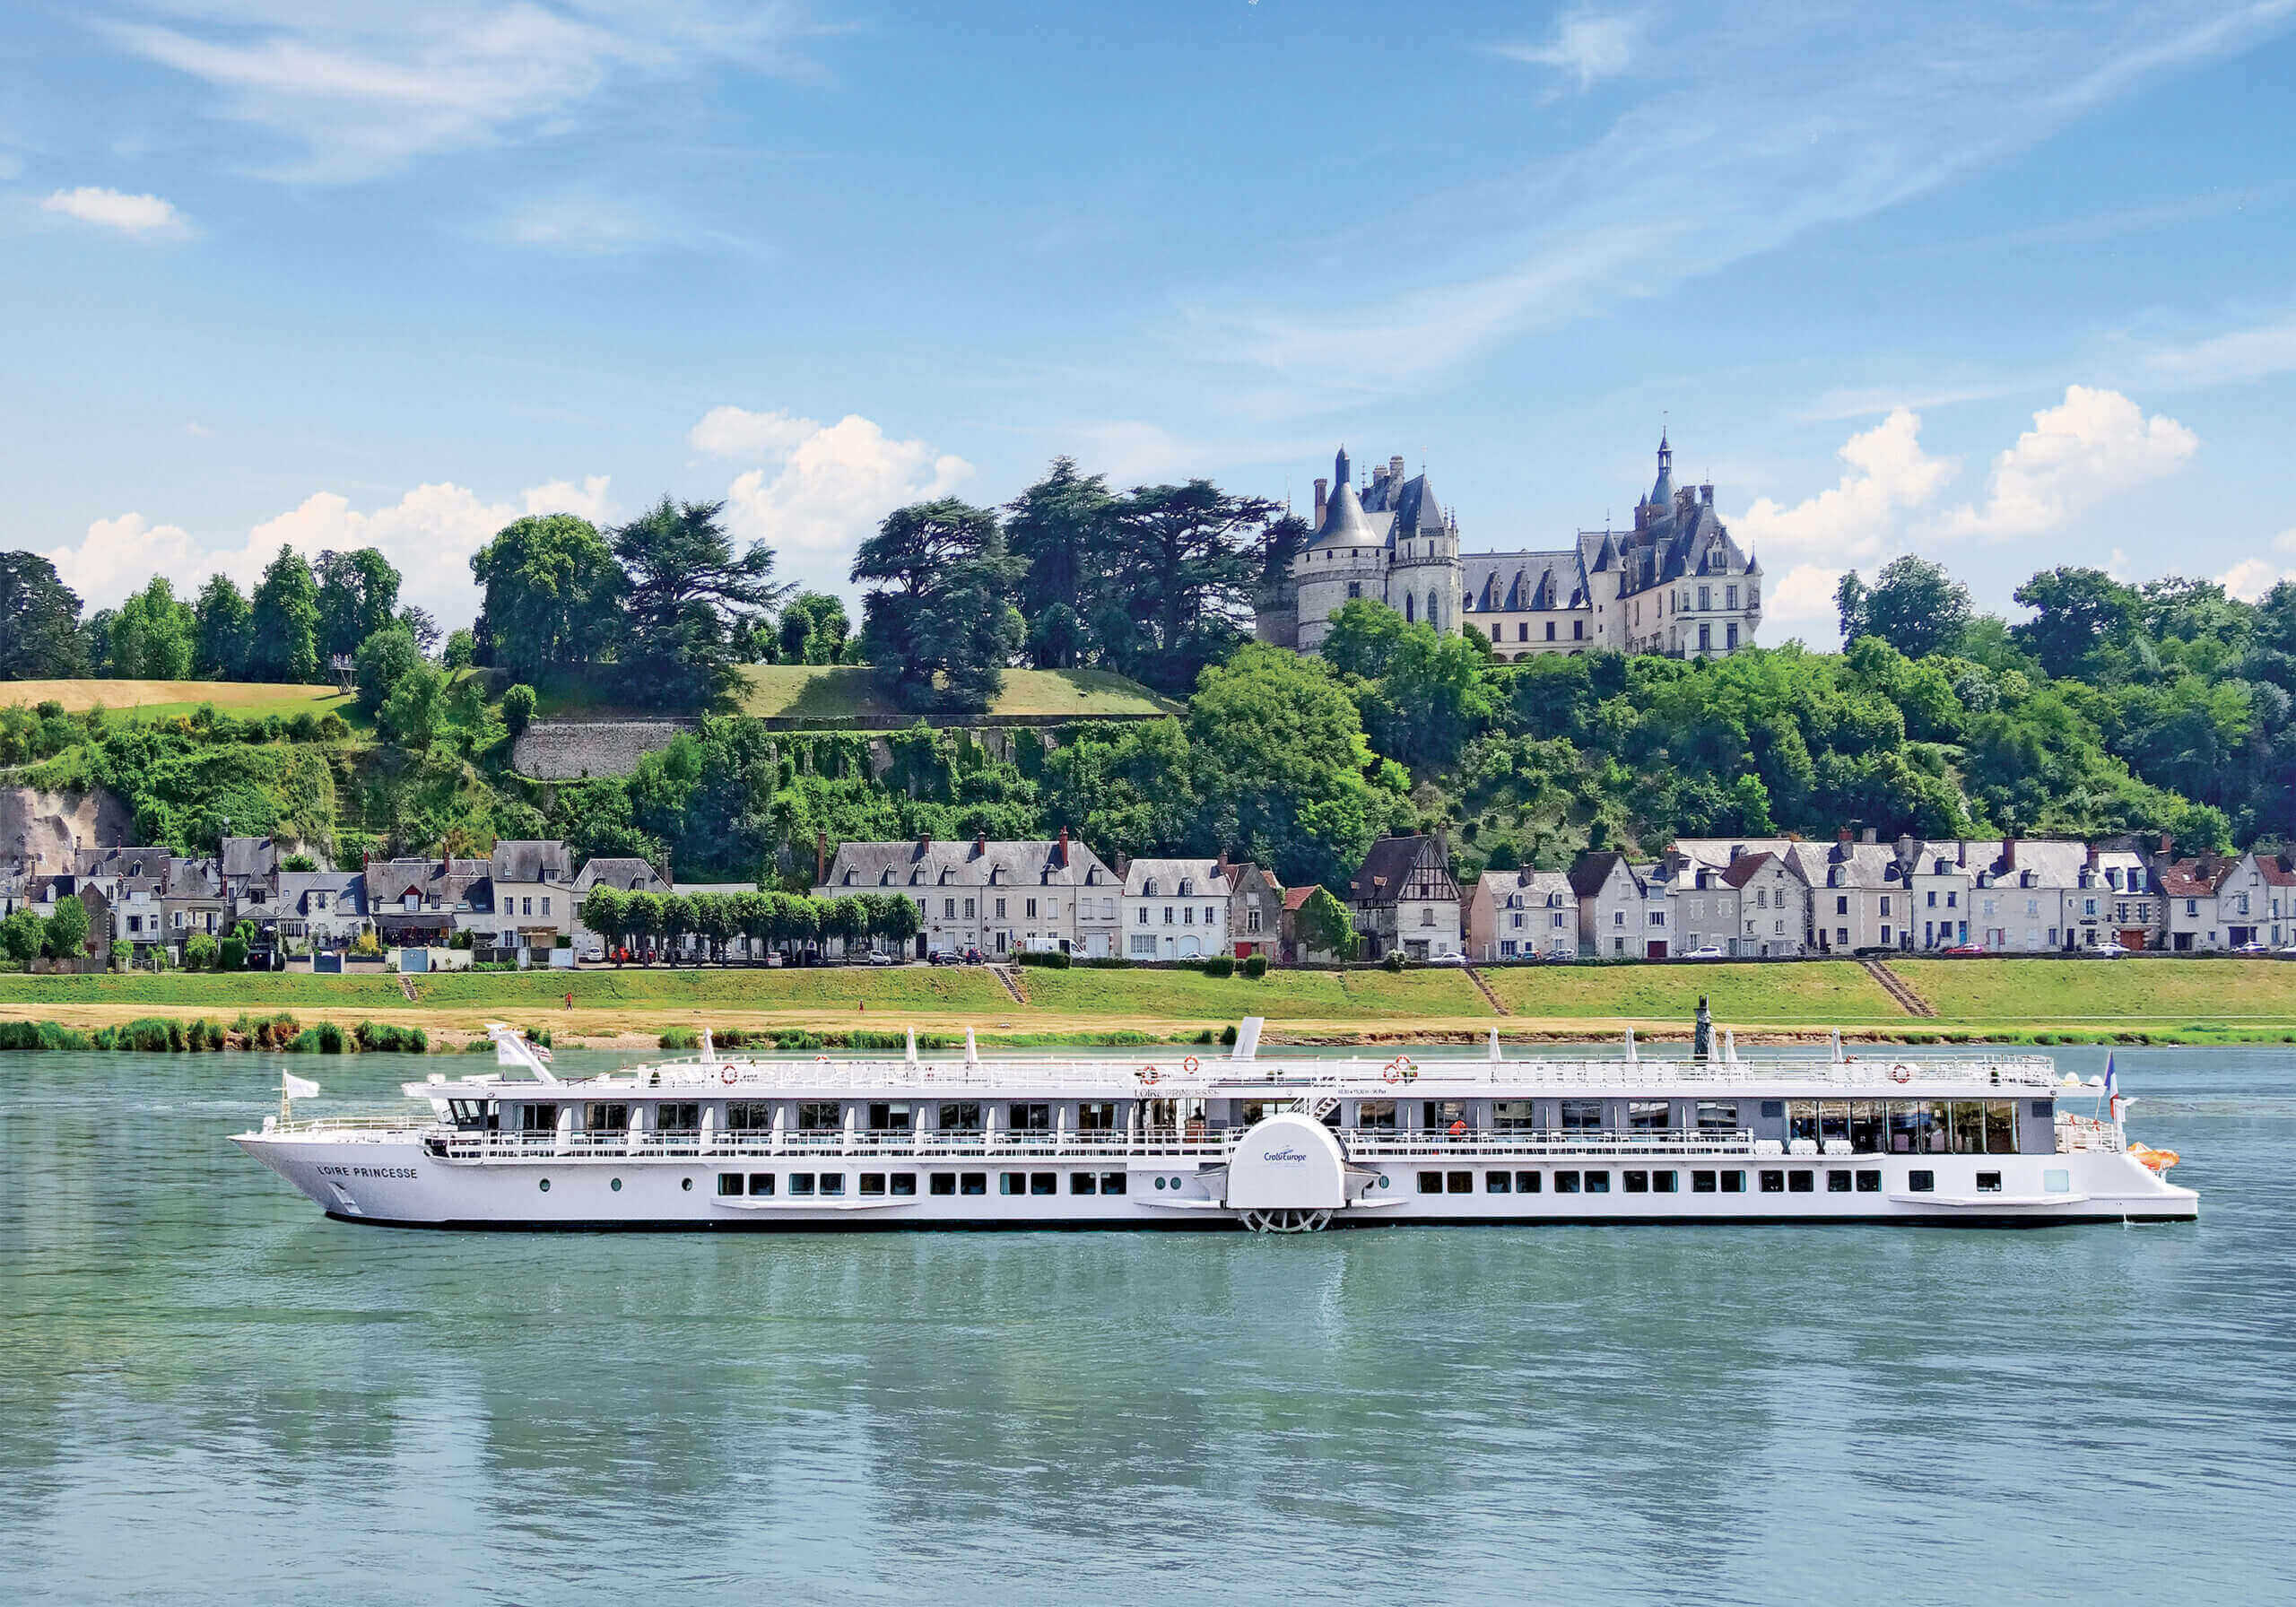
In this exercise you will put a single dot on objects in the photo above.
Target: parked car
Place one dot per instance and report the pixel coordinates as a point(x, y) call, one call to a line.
point(879, 957)
point(2108, 949)
point(2243, 948)
point(1964, 950)
point(1458, 960)
point(1707, 951)
point(947, 957)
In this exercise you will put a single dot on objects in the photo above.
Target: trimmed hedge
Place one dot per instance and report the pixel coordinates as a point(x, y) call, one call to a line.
point(1051, 959)
point(1255, 966)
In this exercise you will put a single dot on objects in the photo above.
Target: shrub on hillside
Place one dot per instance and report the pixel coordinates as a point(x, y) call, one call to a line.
point(681, 1038)
point(1255, 966)
point(1051, 959)
point(1108, 963)
point(1219, 965)
point(1395, 960)
point(381, 1037)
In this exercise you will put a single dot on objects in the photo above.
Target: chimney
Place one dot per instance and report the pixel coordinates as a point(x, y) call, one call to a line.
point(1379, 474)
point(1395, 468)
point(1869, 835)
point(1706, 495)
point(2093, 857)
point(1064, 847)
point(820, 858)
point(1323, 489)
point(1220, 863)
point(2168, 845)
point(979, 843)
point(2009, 852)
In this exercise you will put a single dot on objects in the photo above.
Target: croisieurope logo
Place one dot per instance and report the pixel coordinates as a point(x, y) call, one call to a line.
point(1283, 1156)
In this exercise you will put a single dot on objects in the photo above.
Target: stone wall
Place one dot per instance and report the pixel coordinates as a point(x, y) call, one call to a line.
point(575, 749)
point(46, 827)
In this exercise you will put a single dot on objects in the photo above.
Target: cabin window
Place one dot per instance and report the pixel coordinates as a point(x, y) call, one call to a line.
point(2056, 1181)
point(1988, 1183)
point(1701, 1183)
point(1582, 1115)
point(872, 1183)
point(1869, 1182)
point(1773, 1183)
point(1096, 1116)
point(1734, 1183)
point(540, 1118)
point(1458, 1183)
point(963, 1116)
point(748, 1115)
point(1646, 1116)
point(1802, 1183)
point(1083, 1183)
point(1526, 1183)
point(1868, 1125)
point(1718, 1115)
point(1499, 1182)
point(729, 1182)
point(1376, 1113)
point(1598, 1183)
point(1112, 1183)
point(1029, 1118)
point(903, 1185)
point(801, 1183)
point(678, 1116)
point(1773, 1109)
point(1566, 1183)
point(1431, 1183)
point(1044, 1183)
point(1012, 1183)
point(832, 1183)
point(1510, 1116)
point(1802, 1121)
point(1837, 1183)
point(760, 1184)
point(889, 1118)
point(819, 1115)
point(941, 1183)
point(1920, 1183)
point(1663, 1183)
point(605, 1118)
point(1637, 1183)
point(972, 1183)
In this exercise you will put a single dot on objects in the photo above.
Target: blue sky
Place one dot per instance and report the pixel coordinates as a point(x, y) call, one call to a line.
point(2009, 286)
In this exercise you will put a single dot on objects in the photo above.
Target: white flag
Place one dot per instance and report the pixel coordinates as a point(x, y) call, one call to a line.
point(298, 1087)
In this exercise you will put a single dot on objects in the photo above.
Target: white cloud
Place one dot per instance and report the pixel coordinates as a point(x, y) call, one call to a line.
point(588, 499)
point(2255, 353)
point(2250, 578)
point(111, 209)
point(2077, 454)
point(2286, 541)
point(1887, 473)
point(1586, 45)
point(829, 486)
point(737, 432)
point(117, 556)
point(1802, 606)
point(365, 87)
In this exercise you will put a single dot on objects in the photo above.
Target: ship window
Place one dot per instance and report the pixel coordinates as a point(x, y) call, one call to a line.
point(819, 1115)
point(748, 1115)
point(1867, 1122)
point(1701, 1183)
point(1096, 1116)
point(1511, 1116)
point(1869, 1182)
point(1044, 1183)
point(1499, 1182)
point(1112, 1183)
point(678, 1116)
point(1029, 1118)
point(1801, 1120)
point(972, 1183)
point(1663, 1183)
point(832, 1183)
point(889, 1118)
point(2001, 1127)
point(1598, 1183)
point(2056, 1181)
point(1526, 1183)
point(541, 1119)
point(1582, 1115)
point(1802, 1183)
point(1566, 1183)
point(903, 1183)
point(605, 1118)
point(1637, 1183)
point(961, 1118)
point(1376, 1113)
point(872, 1183)
point(1969, 1126)
point(1646, 1116)
point(1012, 1183)
point(1718, 1115)
point(1734, 1183)
point(1771, 1110)
point(1988, 1183)
point(729, 1182)
point(1773, 1183)
point(942, 1183)
point(1083, 1182)
point(1837, 1183)
point(801, 1183)
point(760, 1184)
point(1920, 1183)
point(1431, 1183)
point(1459, 1183)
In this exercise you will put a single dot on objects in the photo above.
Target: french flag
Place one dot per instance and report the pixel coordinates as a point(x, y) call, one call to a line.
point(2112, 1086)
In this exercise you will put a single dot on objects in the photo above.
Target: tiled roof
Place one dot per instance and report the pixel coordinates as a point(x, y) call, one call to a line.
point(530, 859)
point(966, 864)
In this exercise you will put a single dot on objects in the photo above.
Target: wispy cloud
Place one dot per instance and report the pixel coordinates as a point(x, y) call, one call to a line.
point(142, 215)
point(1587, 44)
point(362, 87)
point(1764, 128)
point(2257, 353)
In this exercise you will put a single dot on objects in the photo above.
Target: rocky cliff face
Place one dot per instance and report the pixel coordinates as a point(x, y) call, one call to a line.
point(46, 827)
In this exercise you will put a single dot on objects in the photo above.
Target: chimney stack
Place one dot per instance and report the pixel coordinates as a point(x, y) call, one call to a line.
point(2168, 845)
point(820, 858)
point(979, 843)
point(1871, 834)
point(1395, 468)
point(2009, 852)
point(1064, 847)
point(1323, 492)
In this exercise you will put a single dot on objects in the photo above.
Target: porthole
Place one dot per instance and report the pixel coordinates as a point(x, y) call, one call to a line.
point(545, 1185)
point(1160, 1183)
point(617, 1185)
point(686, 1183)
point(1384, 1179)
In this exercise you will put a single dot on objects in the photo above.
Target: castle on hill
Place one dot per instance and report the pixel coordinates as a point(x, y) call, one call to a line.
point(1676, 584)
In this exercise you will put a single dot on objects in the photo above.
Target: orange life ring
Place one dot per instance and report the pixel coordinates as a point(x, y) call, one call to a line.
point(1190, 1065)
point(1899, 1074)
point(1148, 1073)
point(1389, 1074)
point(727, 1076)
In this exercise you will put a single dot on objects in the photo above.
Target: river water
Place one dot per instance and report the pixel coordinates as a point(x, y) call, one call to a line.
point(210, 1393)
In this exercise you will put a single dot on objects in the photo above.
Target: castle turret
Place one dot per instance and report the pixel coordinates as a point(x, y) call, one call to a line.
point(1344, 560)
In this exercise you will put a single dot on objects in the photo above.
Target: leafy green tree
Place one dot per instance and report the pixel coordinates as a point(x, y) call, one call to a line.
point(151, 637)
point(413, 712)
point(201, 952)
point(552, 592)
point(1914, 606)
point(284, 622)
point(753, 914)
point(1324, 926)
point(940, 626)
point(1428, 692)
point(712, 918)
point(688, 598)
point(518, 707)
point(66, 935)
point(224, 625)
point(422, 625)
point(1186, 563)
point(385, 659)
point(20, 936)
point(814, 628)
point(358, 594)
point(605, 911)
point(1063, 531)
point(2076, 612)
point(462, 650)
point(40, 622)
point(642, 918)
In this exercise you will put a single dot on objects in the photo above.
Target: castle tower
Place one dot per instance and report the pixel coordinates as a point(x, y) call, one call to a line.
point(1423, 572)
point(1344, 560)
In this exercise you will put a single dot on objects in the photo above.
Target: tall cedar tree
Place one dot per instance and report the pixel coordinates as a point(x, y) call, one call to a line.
point(1063, 528)
point(286, 621)
point(1186, 562)
point(688, 599)
point(550, 595)
point(40, 622)
point(940, 625)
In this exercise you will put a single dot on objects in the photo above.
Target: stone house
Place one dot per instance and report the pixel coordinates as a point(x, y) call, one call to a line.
point(1611, 916)
point(192, 901)
point(1404, 899)
point(1256, 905)
point(2255, 901)
point(1757, 907)
point(1522, 914)
point(415, 903)
point(624, 874)
point(1000, 898)
point(1175, 909)
point(529, 896)
point(321, 909)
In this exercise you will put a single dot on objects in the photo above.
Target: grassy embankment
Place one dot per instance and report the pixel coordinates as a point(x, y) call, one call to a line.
point(846, 694)
point(2034, 1000)
point(161, 699)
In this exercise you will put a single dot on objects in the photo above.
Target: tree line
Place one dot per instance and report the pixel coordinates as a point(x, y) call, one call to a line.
point(649, 924)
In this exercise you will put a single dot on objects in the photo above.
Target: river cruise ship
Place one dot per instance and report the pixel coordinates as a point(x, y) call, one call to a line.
point(1265, 1142)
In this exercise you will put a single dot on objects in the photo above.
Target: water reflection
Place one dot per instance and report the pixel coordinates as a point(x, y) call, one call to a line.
point(217, 1394)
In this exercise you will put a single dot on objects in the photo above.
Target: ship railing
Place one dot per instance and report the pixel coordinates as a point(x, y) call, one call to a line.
point(2077, 1133)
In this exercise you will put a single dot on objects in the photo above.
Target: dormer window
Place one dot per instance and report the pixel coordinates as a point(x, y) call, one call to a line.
point(1187, 886)
point(848, 878)
point(1148, 889)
